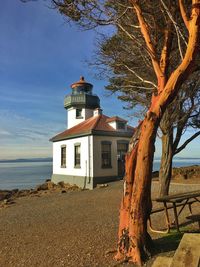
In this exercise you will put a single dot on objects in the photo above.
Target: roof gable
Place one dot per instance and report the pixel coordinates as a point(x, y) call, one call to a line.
point(94, 124)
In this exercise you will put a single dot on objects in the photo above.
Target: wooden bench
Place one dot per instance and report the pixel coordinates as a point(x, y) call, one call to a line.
point(172, 202)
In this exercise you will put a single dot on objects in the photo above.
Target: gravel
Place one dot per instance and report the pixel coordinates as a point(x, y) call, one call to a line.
point(72, 229)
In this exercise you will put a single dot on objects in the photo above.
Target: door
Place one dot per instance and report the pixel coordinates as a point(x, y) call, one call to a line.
point(122, 148)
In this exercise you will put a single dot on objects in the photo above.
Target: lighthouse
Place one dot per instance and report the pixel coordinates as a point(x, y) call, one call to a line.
point(92, 149)
point(81, 103)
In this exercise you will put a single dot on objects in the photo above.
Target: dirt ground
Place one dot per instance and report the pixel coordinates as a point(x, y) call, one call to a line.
point(75, 228)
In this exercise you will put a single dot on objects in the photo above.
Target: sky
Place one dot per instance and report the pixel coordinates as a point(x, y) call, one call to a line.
point(40, 56)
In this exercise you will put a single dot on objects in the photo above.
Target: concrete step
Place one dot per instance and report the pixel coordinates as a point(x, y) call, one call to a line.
point(162, 262)
point(188, 252)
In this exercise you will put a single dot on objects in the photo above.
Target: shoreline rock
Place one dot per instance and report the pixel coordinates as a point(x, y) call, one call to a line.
point(182, 173)
point(7, 197)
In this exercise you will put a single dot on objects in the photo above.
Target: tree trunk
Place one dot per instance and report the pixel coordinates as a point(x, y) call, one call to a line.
point(165, 172)
point(134, 241)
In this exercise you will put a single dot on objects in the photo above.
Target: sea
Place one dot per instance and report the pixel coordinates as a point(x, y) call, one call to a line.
point(27, 175)
point(24, 175)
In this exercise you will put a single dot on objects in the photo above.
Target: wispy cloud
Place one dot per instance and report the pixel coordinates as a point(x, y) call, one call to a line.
point(21, 136)
point(4, 133)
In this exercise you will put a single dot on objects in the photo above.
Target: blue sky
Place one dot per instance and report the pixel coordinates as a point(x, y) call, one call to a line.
point(40, 56)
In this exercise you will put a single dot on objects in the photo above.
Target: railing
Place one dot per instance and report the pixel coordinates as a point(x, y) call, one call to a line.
point(81, 99)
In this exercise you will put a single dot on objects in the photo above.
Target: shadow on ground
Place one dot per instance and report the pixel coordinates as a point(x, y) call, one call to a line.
point(170, 242)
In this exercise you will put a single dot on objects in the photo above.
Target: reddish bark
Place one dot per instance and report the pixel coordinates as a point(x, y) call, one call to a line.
point(134, 241)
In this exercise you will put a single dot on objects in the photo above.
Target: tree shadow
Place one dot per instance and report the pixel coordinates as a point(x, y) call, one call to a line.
point(170, 241)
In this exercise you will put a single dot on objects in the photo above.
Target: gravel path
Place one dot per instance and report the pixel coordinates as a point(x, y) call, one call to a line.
point(71, 229)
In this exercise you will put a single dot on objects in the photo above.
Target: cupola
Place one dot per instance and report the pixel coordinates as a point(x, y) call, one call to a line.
point(82, 96)
point(81, 103)
point(81, 87)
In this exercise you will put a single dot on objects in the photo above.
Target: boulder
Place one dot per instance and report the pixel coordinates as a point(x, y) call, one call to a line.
point(23, 193)
point(102, 185)
point(61, 184)
point(5, 194)
point(50, 185)
point(42, 187)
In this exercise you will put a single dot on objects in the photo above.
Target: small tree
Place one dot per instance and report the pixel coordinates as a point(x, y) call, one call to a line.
point(176, 119)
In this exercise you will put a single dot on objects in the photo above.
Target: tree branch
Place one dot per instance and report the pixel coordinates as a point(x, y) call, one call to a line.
point(186, 142)
point(138, 76)
point(183, 14)
point(147, 38)
point(164, 59)
point(178, 31)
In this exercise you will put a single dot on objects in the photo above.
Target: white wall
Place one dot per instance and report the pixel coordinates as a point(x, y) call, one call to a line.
point(98, 170)
point(113, 124)
point(86, 166)
point(71, 116)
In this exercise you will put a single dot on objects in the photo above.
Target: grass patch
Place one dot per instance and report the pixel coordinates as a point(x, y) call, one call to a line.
point(173, 236)
point(168, 242)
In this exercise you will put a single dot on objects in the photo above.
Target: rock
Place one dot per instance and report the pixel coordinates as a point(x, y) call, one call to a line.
point(184, 173)
point(33, 191)
point(50, 185)
point(102, 185)
point(5, 201)
point(23, 193)
point(5, 194)
point(155, 174)
point(14, 191)
point(61, 184)
point(63, 191)
point(42, 187)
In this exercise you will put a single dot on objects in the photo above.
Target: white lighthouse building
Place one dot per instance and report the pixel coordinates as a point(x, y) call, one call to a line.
point(91, 150)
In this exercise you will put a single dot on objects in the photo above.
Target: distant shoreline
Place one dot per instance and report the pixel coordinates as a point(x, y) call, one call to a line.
point(51, 159)
point(26, 160)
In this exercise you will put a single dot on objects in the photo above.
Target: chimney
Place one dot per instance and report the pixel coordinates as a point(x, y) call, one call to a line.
point(97, 111)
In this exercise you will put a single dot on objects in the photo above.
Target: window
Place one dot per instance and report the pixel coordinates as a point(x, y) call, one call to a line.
point(77, 155)
point(106, 154)
point(78, 113)
point(63, 156)
point(120, 125)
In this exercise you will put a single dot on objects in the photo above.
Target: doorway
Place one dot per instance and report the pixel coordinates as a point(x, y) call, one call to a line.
point(122, 147)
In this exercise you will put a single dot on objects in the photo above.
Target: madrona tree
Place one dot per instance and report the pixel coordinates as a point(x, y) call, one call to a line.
point(134, 239)
point(126, 67)
point(151, 26)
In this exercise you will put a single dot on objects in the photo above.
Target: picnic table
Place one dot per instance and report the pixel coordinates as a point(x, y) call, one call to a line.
point(173, 202)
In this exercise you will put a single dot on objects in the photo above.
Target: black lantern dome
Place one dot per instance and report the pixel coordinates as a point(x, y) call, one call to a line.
point(82, 96)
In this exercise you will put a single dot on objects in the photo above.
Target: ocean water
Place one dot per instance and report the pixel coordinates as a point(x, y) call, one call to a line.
point(29, 174)
point(177, 162)
point(24, 175)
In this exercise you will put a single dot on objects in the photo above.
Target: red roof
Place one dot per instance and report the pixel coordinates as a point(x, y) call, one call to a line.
point(80, 82)
point(115, 118)
point(96, 124)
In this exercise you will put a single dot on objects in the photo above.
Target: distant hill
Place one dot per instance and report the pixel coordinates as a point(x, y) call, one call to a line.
point(26, 160)
point(186, 158)
point(180, 158)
